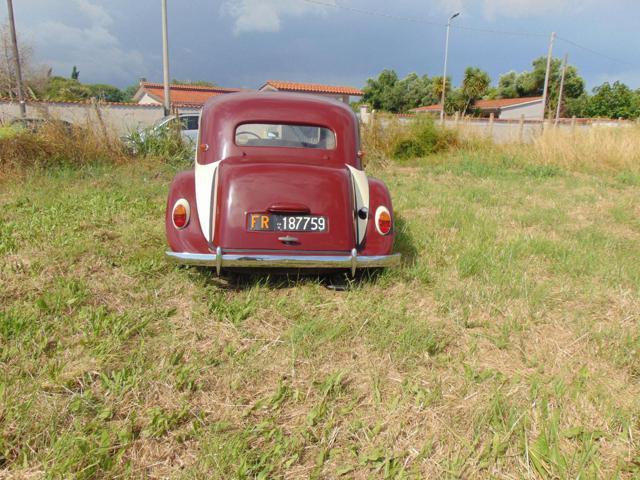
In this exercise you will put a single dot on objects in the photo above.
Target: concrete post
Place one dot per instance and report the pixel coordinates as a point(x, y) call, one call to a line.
point(521, 128)
point(491, 117)
point(16, 59)
point(365, 115)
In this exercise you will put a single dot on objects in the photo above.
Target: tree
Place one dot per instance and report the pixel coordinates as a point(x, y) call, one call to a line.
point(391, 94)
point(508, 85)
point(455, 101)
point(69, 90)
point(417, 91)
point(106, 93)
point(129, 92)
point(385, 92)
point(475, 85)
point(436, 89)
point(531, 83)
point(34, 77)
point(75, 73)
point(614, 101)
point(66, 90)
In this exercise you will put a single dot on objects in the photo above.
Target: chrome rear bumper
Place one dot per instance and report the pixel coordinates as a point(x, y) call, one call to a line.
point(221, 260)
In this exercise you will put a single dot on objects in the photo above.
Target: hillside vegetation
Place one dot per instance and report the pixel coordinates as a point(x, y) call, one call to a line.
point(506, 346)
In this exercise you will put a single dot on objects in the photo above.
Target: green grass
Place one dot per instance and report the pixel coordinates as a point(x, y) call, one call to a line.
point(505, 346)
point(7, 131)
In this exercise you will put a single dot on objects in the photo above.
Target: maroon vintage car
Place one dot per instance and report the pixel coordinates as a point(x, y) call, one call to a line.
point(278, 183)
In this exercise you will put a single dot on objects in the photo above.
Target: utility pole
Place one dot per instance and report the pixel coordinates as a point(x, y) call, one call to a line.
point(546, 77)
point(165, 59)
point(16, 58)
point(444, 75)
point(564, 72)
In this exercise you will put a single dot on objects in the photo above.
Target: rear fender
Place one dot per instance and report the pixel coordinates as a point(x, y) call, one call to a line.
point(375, 243)
point(190, 238)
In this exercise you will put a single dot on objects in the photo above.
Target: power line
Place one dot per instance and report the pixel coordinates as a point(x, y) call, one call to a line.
point(594, 52)
point(501, 32)
point(377, 13)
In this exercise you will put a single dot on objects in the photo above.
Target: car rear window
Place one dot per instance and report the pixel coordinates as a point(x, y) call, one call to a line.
point(285, 135)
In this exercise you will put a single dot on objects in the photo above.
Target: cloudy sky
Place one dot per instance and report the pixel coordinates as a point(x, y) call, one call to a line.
point(242, 43)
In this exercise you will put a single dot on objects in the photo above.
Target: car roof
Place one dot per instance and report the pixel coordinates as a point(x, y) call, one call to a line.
point(223, 113)
point(249, 103)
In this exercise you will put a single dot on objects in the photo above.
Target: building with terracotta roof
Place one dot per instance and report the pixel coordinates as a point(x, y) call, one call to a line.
point(427, 109)
point(504, 108)
point(190, 97)
point(193, 97)
point(337, 92)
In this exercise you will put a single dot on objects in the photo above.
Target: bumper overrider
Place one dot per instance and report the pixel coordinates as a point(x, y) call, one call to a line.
point(221, 260)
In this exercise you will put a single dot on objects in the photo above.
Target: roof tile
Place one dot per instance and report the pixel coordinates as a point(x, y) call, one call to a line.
point(314, 88)
point(504, 102)
point(186, 95)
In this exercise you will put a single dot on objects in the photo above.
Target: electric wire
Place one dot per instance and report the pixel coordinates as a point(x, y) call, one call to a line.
point(375, 13)
point(426, 21)
point(594, 52)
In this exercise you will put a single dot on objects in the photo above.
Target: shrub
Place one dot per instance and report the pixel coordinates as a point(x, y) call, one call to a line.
point(387, 138)
point(160, 142)
point(424, 138)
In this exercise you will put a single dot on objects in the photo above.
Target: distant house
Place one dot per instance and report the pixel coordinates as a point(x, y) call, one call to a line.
point(504, 108)
point(428, 109)
point(336, 92)
point(183, 97)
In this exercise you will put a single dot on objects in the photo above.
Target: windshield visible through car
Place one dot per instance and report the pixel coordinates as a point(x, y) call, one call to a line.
point(285, 135)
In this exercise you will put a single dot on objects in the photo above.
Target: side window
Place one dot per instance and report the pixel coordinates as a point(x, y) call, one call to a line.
point(191, 122)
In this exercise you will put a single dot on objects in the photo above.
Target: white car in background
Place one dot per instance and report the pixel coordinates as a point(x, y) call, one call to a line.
point(189, 123)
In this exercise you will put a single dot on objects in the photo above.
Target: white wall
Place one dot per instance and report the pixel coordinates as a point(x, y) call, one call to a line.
point(148, 99)
point(118, 118)
point(531, 110)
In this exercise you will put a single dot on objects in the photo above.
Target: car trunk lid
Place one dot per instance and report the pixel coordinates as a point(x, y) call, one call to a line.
point(248, 191)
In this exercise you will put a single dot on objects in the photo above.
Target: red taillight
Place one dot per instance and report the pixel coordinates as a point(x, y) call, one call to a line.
point(383, 221)
point(180, 214)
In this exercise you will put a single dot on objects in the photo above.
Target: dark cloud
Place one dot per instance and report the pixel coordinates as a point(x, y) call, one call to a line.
point(245, 42)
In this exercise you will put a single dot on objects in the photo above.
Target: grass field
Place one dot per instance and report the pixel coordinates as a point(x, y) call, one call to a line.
point(507, 345)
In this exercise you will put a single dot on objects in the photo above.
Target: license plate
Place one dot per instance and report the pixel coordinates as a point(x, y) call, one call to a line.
point(259, 222)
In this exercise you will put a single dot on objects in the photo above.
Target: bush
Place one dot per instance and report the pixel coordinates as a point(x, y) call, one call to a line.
point(160, 142)
point(424, 138)
point(387, 138)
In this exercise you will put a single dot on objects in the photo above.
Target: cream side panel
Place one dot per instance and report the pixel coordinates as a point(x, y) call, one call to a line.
point(204, 175)
point(361, 184)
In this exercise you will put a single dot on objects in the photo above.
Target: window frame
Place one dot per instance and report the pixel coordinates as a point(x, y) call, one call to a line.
point(285, 124)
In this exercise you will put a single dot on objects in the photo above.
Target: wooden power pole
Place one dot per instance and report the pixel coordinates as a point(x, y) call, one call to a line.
point(564, 72)
point(16, 58)
point(546, 77)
